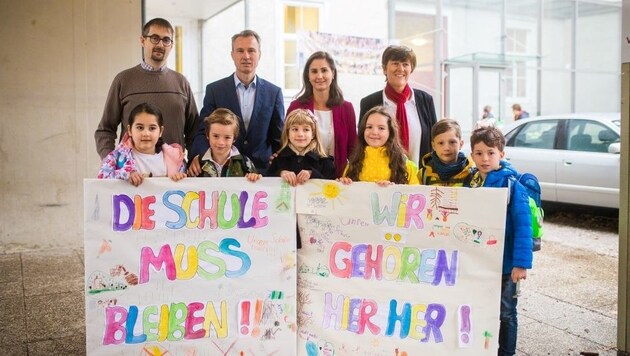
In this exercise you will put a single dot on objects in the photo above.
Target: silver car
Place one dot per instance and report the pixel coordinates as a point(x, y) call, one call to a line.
point(575, 156)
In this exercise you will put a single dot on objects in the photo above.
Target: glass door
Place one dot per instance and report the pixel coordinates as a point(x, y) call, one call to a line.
point(468, 88)
point(491, 93)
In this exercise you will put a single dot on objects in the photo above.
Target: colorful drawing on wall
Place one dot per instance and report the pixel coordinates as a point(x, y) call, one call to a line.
point(352, 54)
point(401, 270)
point(170, 267)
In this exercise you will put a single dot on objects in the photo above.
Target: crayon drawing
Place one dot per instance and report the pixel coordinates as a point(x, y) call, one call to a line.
point(197, 267)
point(399, 271)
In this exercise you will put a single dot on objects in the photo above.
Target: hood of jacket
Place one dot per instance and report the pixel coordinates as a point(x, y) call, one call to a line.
point(499, 177)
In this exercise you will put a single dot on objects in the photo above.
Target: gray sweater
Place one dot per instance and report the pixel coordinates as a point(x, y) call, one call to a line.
point(168, 90)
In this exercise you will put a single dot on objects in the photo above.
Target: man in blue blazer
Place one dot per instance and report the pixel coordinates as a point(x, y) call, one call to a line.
point(257, 102)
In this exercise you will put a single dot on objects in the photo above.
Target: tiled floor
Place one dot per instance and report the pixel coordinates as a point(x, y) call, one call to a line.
point(42, 303)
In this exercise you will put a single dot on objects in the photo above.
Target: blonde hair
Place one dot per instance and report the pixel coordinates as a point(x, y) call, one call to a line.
point(302, 117)
point(224, 117)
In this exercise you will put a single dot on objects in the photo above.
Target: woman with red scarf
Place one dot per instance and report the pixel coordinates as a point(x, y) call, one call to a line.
point(335, 117)
point(413, 108)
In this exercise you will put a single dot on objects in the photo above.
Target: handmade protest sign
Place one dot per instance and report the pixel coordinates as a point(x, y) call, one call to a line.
point(196, 267)
point(399, 270)
point(207, 267)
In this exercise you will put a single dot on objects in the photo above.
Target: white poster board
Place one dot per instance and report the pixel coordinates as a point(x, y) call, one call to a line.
point(203, 266)
point(401, 270)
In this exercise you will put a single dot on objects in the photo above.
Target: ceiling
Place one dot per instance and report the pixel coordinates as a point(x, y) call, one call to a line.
point(188, 9)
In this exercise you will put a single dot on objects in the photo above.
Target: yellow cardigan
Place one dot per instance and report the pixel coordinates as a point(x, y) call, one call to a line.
point(376, 167)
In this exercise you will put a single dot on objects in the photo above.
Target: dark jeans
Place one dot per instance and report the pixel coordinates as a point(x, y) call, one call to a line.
point(508, 316)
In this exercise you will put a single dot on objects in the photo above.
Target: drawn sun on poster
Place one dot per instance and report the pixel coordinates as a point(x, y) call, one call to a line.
point(330, 191)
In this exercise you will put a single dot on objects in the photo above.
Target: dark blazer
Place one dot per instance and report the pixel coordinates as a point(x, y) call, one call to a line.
point(345, 130)
point(426, 112)
point(287, 160)
point(262, 137)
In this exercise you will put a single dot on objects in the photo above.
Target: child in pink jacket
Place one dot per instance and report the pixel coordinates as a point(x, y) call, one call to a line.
point(141, 152)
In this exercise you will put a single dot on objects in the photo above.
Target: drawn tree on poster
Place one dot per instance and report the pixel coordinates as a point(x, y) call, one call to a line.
point(435, 196)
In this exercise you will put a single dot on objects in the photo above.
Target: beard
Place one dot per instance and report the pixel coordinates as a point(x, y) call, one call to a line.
point(158, 56)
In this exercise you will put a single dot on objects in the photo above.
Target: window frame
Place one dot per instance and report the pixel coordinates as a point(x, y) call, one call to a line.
point(288, 36)
point(518, 89)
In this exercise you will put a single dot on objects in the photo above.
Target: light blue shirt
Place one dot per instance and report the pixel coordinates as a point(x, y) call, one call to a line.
point(246, 98)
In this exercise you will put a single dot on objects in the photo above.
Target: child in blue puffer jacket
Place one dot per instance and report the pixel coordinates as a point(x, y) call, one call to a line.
point(491, 170)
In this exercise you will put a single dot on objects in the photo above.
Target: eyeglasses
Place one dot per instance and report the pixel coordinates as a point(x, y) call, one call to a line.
point(155, 39)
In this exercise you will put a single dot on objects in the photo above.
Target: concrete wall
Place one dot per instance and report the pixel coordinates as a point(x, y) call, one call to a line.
point(58, 61)
point(217, 44)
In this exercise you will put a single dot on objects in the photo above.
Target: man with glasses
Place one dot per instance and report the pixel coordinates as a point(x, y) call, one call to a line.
point(150, 82)
point(257, 102)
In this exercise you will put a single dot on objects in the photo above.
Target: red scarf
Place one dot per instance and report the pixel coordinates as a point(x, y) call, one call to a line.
point(401, 114)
